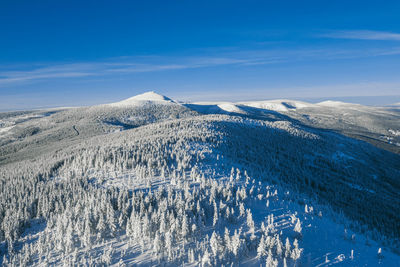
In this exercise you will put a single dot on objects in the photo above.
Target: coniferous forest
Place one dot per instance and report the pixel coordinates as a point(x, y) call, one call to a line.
point(158, 183)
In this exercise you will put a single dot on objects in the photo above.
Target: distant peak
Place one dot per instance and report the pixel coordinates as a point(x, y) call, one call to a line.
point(150, 96)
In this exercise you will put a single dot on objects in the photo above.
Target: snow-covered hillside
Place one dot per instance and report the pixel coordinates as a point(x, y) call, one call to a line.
point(147, 181)
point(374, 125)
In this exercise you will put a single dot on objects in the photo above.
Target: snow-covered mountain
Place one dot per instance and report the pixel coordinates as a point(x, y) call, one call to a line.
point(148, 97)
point(148, 181)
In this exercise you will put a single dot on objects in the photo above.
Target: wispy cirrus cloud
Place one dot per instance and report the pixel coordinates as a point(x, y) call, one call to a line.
point(124, 66)
point(48, 72)
point(362, 35)
point(77, 70)
point(129, 65)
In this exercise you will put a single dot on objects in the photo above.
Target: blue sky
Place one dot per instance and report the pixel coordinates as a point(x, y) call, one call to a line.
point(69, 53)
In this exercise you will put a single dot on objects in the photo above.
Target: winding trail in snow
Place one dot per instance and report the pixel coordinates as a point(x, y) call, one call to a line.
point(77, 132)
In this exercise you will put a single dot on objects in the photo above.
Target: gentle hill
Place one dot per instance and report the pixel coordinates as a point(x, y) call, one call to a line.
point(331, 103)
point(278, 105)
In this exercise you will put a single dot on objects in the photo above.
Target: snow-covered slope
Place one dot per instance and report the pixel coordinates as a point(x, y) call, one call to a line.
point(53, 129)
point(231, 108)
point(278, 105)
point(161, 184)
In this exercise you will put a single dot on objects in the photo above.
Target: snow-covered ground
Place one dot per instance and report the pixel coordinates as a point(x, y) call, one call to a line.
point(5, 130)
point(147, 181)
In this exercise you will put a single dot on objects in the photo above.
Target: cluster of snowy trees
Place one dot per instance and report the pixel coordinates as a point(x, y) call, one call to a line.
point(186, 223)
point(177, 225)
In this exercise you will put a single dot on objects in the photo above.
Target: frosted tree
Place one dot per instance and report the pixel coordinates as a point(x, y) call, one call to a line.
point(261, 249)
point(101, 227)
point(296, 252)
point(206, 260)
point(278, 244)
point(216, 215)
point(215, 244)
point(288, 249)
point(270, 261)
point(250, 221)
point(168, 245)
point(297, 227)
point(191, 257)
point(86, 235)
point(227, 240)
point(157, 244)
point(242, 210)
point(107, 255)
point(69, 238)
point(379, 254)
point(185, 228)
point(236, 243)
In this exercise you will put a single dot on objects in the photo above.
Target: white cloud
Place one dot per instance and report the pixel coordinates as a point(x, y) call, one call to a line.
point(362, 35)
